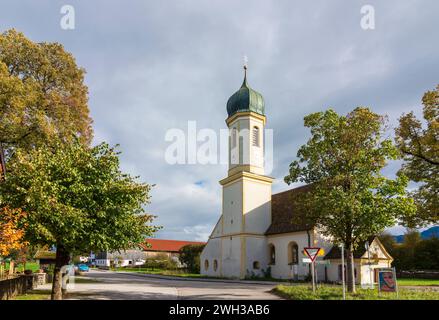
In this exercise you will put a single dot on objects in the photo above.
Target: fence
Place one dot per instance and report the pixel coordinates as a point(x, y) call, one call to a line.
point(13, 286)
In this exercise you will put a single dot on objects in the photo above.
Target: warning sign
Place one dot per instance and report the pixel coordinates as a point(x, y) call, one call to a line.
point(312, 252)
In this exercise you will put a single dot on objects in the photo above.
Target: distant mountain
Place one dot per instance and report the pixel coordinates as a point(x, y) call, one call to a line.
point(432, 232)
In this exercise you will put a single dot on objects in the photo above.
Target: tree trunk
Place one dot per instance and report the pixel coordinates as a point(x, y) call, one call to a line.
point(62, 258)
point(350, 269)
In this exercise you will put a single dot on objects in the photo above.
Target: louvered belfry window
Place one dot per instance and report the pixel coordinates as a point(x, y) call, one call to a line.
point(255, 136)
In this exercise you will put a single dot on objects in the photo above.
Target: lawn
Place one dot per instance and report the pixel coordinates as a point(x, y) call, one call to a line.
point(333, 292)
point(35, 295)
point(418, 282)
point(19, 267)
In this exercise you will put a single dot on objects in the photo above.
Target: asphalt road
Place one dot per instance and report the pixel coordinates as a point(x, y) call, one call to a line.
point(110, 285)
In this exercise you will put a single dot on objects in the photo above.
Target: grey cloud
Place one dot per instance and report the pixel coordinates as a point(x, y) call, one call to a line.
point(153, 65)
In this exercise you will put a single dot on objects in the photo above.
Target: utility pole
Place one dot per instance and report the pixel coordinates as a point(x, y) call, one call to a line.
point(342, 271)
point(368, 258)
point(2, 164)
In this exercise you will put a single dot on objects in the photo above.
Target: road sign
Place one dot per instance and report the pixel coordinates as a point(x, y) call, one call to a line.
point(312, 252)
point(323, 262)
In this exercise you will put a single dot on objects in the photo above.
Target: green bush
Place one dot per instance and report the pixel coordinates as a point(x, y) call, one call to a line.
point(190, 257)
point(160, 261)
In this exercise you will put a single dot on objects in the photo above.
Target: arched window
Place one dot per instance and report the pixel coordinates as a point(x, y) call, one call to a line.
point(206, 264)
point(256, 265)
point(215, 265)
point(293, 253)
point(233, 138)
point(272, 254)
point(255, 137)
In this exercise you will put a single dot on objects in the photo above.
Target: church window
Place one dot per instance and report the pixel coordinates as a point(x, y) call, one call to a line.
point(233, 137)
point(272, 253)
point(206, 264)
point(293, 253)
point(215, 265)
point(255, 136)
point(256, 265)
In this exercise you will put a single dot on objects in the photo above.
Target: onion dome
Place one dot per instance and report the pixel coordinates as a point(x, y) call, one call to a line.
point(245, 99)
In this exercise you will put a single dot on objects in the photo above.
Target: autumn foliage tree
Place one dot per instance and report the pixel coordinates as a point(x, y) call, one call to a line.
point(42, 97)
point(349, 198)
point(11, 233)
point(42, 94)
point(419, 145)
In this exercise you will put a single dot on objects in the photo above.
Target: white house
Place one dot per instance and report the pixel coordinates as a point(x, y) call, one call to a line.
point(254, 235)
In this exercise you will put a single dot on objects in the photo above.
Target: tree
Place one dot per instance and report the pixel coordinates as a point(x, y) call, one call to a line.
point(420, 149)
point(349, 199)
point(42, 94)
point(77, 199)
point(190, 256)
point(11, 235)
point(388, 241)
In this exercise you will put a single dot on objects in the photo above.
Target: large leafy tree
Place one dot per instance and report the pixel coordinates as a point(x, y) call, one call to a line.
point(420, 147)
point(77, 199)
point(350, 199)
point(42, 94)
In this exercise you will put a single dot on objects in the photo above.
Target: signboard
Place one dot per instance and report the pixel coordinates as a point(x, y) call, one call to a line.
point(312, 252)
point(387, 281)
point(308, 260)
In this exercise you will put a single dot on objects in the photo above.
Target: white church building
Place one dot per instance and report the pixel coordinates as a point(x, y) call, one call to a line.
point(255, 236)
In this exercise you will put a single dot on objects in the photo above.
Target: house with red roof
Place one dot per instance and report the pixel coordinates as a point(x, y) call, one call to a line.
point(137, 256)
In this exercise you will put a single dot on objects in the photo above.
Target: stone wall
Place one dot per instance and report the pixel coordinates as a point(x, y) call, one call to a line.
point(9, 288)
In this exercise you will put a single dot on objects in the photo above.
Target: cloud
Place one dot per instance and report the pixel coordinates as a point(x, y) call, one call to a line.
point(154, 65)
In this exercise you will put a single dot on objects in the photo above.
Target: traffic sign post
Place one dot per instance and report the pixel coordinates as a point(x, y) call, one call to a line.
point(342, 271)
point(312, 253)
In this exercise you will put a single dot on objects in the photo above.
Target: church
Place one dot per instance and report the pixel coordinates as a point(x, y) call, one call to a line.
point(255, 236)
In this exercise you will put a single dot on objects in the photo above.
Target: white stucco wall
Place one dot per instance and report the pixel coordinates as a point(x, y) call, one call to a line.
point(281, 269)
point(257, 206)
point(232, 208)
point(211, 252)
point(231, 256)
point(256, 251)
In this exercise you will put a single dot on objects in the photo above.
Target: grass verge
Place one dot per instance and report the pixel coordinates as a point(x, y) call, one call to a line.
point(333, 292)
point(35, 295)
point(418, 282)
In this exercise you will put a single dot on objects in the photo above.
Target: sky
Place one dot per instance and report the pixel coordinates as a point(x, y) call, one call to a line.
point(155, 65)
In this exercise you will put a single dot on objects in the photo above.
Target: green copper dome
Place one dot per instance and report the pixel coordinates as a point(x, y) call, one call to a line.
point(245, 99)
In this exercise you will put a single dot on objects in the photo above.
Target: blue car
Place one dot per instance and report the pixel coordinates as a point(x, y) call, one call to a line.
point(83, 267)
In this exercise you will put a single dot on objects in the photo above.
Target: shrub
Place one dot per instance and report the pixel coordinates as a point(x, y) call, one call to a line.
point(161, 261)
point(190, 256)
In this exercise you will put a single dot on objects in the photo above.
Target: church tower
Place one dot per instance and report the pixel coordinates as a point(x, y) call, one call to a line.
point(246, 205)
point(237, 246)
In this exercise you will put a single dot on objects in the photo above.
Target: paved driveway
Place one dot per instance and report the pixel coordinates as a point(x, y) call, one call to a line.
point(113, 285)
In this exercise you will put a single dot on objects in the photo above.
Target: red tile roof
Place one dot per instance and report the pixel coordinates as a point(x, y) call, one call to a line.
point(167, 245)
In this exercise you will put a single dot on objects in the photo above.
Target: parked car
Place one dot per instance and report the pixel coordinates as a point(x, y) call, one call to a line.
point(82, 267)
